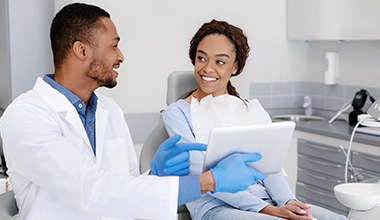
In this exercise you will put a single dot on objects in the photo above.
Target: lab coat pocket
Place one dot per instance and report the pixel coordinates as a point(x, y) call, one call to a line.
point(115, 156)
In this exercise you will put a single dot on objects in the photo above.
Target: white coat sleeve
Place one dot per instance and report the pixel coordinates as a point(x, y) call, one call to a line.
point(38, 153)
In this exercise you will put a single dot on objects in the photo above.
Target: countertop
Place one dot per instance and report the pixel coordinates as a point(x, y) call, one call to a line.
point(337, 129)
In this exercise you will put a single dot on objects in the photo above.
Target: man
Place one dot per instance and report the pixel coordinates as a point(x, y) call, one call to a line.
point(69, 151)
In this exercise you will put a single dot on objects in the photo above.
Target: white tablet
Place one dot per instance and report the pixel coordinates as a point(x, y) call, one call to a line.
point(270, 140)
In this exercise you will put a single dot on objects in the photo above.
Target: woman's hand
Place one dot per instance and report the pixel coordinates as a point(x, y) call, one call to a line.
point(294, 210)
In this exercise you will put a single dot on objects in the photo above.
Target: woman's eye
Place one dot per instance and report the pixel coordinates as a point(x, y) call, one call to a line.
point(201, 59)
point(219, 62)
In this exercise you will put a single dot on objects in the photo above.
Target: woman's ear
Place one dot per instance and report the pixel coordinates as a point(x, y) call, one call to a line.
point(79, 50)
point(234, 68)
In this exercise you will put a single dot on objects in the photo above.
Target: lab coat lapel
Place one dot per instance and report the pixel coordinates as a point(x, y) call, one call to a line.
point(100, 125)
point(71, 115)
point(61, 105)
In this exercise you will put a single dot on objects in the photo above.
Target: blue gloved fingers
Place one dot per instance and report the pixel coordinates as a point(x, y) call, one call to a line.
point(179, 166)
point(184, 156)
point(192, 146)
point(179, 158)
point(183, 172)
point(153, 168)
point(258, 175)
point(175, 170)
point(170, 142)
point(233, 174)
point(166, 151)
point(252, 157)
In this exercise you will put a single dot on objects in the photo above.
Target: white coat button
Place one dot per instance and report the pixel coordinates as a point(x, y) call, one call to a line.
point(80, 105)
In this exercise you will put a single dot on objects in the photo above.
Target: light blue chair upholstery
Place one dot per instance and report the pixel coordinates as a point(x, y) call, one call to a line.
point(179, 83)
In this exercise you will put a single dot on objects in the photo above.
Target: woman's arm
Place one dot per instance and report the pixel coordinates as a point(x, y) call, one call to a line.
point(177, 120)
point(278, 188)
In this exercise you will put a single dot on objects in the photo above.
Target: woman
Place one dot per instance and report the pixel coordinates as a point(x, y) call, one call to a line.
point(218, 52)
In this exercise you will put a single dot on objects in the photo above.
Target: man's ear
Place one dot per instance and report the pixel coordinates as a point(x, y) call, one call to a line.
point(80, 50)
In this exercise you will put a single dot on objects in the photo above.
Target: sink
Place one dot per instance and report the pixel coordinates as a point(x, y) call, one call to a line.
point(298, 118)
point(358, 196)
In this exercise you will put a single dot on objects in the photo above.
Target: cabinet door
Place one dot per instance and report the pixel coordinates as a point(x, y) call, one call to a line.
point(334, 170)
point(323, 151)
point(366, 161)
point(314, 195)
point(318, 179)
point(333, 19)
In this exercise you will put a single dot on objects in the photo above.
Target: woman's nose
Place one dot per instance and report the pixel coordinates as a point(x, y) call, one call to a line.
point(209, 67)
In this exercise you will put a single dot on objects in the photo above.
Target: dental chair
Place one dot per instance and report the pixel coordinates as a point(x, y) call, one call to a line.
point(179, 83)
point(8, 207)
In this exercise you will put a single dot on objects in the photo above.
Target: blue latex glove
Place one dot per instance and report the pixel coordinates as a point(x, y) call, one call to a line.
point(233, 175)
point(172, 158)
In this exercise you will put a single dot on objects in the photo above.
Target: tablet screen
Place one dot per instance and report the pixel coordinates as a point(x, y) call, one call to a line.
point(271, 140)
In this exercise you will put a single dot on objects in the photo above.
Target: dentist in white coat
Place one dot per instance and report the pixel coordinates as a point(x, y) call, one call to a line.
point(69, 151)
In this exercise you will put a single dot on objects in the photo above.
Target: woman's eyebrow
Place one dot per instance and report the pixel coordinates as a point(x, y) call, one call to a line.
point(201, 51)
point(217, 55)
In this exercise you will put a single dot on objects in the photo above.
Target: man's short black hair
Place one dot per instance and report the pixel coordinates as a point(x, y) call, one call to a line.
point(74, 22)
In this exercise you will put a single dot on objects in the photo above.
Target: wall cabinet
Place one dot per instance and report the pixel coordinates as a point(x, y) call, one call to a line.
point(333, 20)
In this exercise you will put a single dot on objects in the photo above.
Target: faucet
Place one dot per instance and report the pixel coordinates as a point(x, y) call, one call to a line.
point(307, 105)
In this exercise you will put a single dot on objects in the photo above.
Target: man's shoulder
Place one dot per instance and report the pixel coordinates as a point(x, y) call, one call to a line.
point(107, 101)
point(108, 104)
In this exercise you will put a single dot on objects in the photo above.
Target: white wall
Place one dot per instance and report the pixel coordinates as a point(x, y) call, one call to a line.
point(358, 62)
point(155, 37)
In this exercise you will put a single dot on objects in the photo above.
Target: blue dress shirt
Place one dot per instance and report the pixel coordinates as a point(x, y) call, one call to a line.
point(86, 113)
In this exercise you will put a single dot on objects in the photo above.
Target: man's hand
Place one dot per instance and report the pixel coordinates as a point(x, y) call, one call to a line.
point(172, 158)
point(232, 173)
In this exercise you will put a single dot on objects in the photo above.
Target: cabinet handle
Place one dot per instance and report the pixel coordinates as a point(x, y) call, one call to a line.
point(319, 193)
point(323, 163)
point(322, 178)
point(371, 158)
point(332, 149)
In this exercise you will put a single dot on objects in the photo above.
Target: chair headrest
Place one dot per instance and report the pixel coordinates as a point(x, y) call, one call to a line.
point(179, 83)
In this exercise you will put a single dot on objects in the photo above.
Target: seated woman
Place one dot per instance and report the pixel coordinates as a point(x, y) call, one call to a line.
point(219, 51)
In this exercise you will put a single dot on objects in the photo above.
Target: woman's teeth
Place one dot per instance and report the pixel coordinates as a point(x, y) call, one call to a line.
point(209, 79)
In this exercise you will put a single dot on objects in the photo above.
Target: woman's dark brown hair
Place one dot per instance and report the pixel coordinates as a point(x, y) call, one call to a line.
point(234, 34)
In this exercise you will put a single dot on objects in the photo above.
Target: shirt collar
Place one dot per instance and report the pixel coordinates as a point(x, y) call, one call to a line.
point(73, 99)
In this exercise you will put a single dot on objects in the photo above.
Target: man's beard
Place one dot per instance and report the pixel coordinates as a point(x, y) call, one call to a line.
point(99, 72)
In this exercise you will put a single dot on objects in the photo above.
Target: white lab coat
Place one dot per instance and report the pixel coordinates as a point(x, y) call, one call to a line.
point(56, 176)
